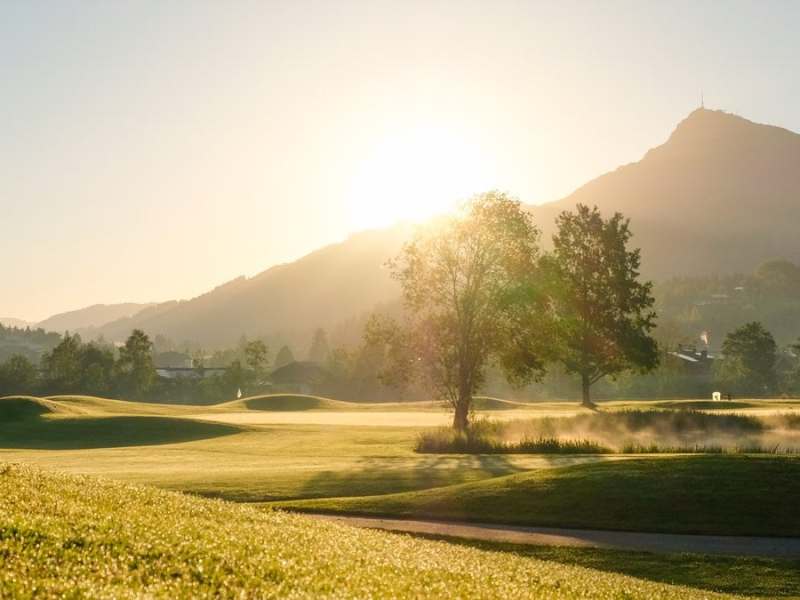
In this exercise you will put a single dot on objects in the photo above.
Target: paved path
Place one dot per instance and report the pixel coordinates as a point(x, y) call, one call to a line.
point(587, 538)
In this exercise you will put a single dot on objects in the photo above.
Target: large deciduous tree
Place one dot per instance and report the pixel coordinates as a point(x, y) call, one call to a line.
point(604, 314)
point(467, 283)
point(748, 360)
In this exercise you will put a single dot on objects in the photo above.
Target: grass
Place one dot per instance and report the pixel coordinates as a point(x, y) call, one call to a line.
point(479, 440)
point(705, 405)
point(726, 495)
point(751, 576)
point(283, 402)
point(171, 448)
point(21, 408)
point(66, 536)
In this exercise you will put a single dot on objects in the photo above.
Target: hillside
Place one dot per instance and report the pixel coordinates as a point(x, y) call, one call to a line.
point(720, 196)
point(319, 290)
point(90, 316)
point(68, 536)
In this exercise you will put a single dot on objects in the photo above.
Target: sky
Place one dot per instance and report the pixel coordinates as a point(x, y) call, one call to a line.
point(152, 150)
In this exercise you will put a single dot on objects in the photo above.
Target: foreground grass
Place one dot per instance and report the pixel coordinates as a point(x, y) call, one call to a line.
point(66, 536)
point(725, 495)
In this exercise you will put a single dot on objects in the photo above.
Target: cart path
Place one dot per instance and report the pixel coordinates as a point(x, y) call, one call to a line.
point(586, 538)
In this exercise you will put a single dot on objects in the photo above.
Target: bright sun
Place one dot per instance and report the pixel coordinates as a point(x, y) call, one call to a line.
point(414, 174)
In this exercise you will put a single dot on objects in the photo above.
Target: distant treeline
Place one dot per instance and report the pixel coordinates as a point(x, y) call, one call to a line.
point(718, 304)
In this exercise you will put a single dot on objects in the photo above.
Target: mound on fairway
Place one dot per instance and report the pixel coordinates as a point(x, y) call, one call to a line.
point(106, 432)
point(20, 408)
point(730, 495)
point(67, 536)
point(94, 405)
point(287, 402)
point(488, 403)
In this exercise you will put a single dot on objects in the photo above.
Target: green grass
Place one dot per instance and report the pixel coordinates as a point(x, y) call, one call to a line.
point(107, 432)
point(65, 536)
point(168, 446)
point(281, 402)
point(705, 405)
point(751, 576)
point(727, 495)
point(22, 408)
point(251, 464)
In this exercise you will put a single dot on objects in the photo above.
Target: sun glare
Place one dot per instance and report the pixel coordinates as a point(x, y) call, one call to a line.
point(414, 174)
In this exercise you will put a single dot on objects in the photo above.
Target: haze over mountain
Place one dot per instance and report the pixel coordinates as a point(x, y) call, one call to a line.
point(719, 196)
point(321, 289)
point(80, 320)
point(13, 322)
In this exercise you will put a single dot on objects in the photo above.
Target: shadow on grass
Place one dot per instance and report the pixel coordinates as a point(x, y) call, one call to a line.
point(749, 576)
point(378, 476)
point(106, 432)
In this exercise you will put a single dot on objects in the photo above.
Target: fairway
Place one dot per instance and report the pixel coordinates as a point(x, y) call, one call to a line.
point(239, 456)
point(374, 418)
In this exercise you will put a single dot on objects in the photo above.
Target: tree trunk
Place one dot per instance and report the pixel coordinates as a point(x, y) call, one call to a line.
point(585, 385)
point(461, 417)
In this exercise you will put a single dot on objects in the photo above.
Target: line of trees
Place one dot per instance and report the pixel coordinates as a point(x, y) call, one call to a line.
point(479, 291)
point(90, 368)
point(98, 368)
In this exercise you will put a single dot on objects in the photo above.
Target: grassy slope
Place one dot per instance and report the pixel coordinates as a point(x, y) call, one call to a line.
point(67, 536)
point(727, 495)
point(760, 577)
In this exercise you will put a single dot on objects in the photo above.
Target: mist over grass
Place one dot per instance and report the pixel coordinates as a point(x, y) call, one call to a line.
point(628, 431)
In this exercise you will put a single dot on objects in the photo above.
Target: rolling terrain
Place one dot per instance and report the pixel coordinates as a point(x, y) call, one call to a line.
point(363, 466)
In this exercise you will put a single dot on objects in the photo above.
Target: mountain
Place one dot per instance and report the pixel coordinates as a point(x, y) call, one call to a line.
point(291, 300)
point(721, 195)
point(90, 317)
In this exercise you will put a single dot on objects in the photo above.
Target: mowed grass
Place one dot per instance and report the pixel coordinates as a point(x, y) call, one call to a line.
point(745, 575)
point(253, 463)
point(725, 495)
point(66, 536)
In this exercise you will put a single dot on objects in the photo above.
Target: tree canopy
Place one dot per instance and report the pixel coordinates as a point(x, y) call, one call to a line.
point(467, 285)
point(603, 312)
point(749, 356)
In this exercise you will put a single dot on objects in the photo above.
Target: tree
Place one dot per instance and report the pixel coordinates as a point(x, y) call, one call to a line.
point(136, 364)
point(17, 376)
point(256, 355)
point(62, 365)
point(284, 357)
point(466, 285)
point(319, 347)
point(604, 314)
point(97, 368)
point(748, 360)
point(234, 378)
